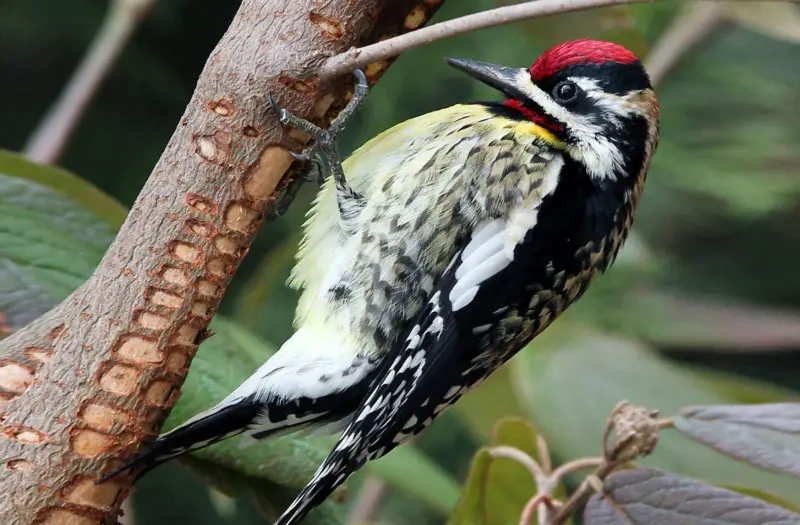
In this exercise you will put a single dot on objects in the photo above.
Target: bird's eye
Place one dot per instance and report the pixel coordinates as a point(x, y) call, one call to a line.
point(565, 92)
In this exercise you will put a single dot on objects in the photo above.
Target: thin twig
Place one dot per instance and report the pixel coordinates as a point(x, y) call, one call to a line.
point(51, 135)
point(530, 508)
point(585, 487)
point(368, 500)
point(691, 26)
point(574, 466)
point(520, 457)
point(544, 453)
point(666, 423)
point(360, 57)
point(609, 428)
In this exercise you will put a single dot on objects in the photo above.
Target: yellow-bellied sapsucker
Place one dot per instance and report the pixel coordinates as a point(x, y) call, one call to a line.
point(439, 249)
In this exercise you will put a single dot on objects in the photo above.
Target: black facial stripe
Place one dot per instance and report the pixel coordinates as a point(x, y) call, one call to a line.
point(583, 105)
point(630, 139)
point(611, 76)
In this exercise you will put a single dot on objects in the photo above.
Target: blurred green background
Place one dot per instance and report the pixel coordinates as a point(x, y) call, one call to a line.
point(703, 305)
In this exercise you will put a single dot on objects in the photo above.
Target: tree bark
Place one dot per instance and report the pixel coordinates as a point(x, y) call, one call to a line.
point(84, 384)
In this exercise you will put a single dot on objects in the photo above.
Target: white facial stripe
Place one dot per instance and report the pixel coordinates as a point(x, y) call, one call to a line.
point(524, 84)
point(614, 107)
point(592, 147)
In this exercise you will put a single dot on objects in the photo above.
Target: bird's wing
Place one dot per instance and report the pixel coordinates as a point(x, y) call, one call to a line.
point(481, 296)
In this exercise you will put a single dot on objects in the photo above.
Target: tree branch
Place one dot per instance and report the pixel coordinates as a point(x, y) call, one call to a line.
point(385, 49)
point(92, 378)
point(48, 140)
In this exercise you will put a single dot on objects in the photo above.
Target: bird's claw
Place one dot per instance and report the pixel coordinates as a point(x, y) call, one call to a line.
point(302, 157)
point(279, 112)
point(324, 139)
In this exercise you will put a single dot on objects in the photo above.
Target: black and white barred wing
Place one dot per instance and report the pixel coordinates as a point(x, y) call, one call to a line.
point(447, 350)
point(393, 411)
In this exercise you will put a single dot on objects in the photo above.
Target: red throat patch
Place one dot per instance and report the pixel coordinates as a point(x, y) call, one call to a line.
point(579, 52)
point(533, 116)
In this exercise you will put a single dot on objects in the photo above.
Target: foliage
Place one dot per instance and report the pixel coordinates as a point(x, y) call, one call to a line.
point(499, 488)
point(710, 270)
point(636, 496)
point(767, 436)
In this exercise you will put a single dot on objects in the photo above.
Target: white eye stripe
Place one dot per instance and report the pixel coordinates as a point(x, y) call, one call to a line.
point(586, 84)
point(590, 146)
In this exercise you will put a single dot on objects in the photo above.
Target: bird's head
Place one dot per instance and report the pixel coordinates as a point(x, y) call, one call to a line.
point(595, 97)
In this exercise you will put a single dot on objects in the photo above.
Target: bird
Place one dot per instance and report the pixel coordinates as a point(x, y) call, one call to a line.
point(439, 249)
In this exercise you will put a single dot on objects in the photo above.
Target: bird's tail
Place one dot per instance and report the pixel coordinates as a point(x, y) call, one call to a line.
point(320, 487)
point(199, 432)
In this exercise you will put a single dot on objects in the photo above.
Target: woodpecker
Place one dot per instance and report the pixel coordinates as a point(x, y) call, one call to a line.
point(439, 249)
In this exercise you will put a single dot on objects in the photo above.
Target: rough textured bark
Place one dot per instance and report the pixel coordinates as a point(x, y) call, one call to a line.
point(84, 384)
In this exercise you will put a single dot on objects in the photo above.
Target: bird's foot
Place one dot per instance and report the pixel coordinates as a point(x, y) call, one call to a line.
point(324, 146)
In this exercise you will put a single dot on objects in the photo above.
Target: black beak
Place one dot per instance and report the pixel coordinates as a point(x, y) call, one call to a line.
point(501, 78)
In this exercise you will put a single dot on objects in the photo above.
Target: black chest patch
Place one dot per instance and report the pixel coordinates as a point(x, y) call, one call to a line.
point(578, 229)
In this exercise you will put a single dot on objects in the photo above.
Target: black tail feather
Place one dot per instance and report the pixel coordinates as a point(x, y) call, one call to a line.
point(220, 424)
point(142, 463)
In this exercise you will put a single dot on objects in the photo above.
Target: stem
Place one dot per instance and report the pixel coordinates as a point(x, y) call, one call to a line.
point(51, 135)
point(574, 466)
point(666, 423)
point(544, 453)
point(520, 457)
point(360, 57)
point(531, 506)
point(585, 487)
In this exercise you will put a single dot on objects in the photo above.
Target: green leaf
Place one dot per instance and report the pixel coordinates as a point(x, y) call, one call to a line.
point(571, 378)
point(517, 433)
point(764, 435)
point(49, 242)
point(497, 488)
point(85, 195)
point(407, 469)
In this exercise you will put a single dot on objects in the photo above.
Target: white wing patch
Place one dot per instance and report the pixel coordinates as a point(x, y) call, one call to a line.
point(493, 242)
